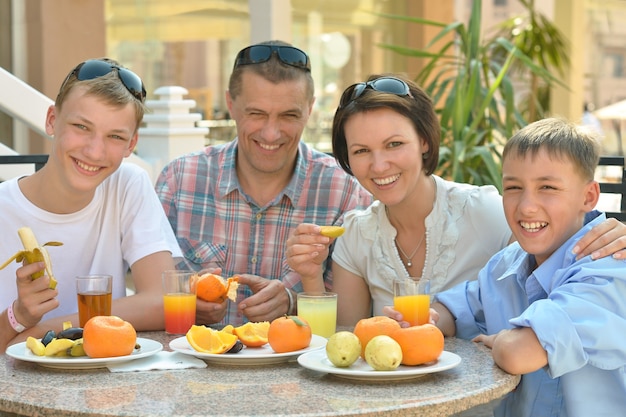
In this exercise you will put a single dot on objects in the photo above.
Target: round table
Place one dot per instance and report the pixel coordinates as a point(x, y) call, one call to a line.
point(262, 390)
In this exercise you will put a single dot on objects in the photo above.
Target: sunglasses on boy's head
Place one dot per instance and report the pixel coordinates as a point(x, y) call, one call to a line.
point(95, 68)
point(383, 84)
point(257, 54)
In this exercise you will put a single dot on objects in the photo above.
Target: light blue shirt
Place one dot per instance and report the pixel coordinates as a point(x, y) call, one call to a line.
point(577, 309)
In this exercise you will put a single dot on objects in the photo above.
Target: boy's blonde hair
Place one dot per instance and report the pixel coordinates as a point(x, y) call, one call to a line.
point(109, 88)
point(561, 139)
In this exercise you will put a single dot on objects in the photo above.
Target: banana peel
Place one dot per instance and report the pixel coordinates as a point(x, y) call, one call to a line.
point(34, 253)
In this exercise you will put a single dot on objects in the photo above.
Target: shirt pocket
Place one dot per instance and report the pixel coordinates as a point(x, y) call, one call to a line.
point(201, 255)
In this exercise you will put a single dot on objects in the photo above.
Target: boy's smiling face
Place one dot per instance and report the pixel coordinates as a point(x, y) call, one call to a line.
point(545, 200)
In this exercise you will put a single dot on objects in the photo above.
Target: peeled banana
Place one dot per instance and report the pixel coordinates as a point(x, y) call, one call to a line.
point(34, 253)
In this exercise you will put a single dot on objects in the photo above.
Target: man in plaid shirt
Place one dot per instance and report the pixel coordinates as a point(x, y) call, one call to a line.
point(233, 206)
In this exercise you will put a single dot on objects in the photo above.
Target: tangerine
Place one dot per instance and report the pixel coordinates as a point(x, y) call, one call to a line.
point(214, 288)
point(108, 336)
point(420, 344)
point(207, 340)
point(288, 334)
point(368, 328)
point(253, 334)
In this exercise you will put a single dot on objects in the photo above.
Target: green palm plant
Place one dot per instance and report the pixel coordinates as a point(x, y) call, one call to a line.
point(473, 95)
point(539, 39)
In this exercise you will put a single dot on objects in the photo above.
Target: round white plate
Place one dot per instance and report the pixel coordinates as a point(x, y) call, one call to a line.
point(263, 355)
point(19, 351)
point(318, 361)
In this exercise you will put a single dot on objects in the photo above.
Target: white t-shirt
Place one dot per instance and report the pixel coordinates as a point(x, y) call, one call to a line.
point(465, 228)
point(124, 223)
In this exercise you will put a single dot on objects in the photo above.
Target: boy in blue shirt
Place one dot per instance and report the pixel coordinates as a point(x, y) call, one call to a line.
point(558, 322)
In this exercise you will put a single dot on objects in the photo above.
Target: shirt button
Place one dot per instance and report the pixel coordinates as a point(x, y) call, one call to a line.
point(258, 216)
point(253, 260)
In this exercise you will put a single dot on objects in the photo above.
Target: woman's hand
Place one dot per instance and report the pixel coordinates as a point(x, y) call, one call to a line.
point(607, 238)
point(306, 251)
point(390, 312)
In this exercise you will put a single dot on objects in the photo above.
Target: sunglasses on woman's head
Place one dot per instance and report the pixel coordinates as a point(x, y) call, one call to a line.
point(257, 54)
point(383, 84)
point(95, 68)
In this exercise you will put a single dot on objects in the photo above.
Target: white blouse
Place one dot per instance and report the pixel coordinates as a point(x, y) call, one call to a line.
point(465, 228)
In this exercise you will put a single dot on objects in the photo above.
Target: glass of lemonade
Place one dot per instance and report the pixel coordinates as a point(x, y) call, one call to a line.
point(411, 297)
point(320, 311)
point(94, 296)
point(179, 301)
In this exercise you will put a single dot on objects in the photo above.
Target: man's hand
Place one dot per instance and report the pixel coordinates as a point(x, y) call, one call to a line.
point(210, 313)
point(269, 300)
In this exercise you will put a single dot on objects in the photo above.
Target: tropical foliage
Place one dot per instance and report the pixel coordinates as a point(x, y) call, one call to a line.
point(470, 83)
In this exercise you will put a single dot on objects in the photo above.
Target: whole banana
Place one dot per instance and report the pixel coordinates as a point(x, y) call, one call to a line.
point(34, 253)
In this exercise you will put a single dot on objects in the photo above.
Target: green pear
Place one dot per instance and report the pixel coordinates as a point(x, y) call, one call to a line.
point(343, 349)
point(383, 353)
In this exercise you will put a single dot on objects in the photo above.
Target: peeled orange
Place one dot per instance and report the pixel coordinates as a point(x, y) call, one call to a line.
point(214, 288)
point(108, 336)
point(253, 334)
point(207, 340)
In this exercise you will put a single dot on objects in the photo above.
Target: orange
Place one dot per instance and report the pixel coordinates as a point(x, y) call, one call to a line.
point(207, 340)
point(253, 334)
point(214, 288)
point(368, 328)
point(108, 336)
point(288, 334)
point(420, 344)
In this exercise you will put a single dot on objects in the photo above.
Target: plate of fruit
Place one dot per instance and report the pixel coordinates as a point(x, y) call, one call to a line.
point(378, 349)
point(104, 340)
point(253, 343)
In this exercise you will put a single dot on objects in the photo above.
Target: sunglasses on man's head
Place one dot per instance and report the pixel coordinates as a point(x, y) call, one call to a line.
point(383, 84)
point(257, 54)
point(95, 68)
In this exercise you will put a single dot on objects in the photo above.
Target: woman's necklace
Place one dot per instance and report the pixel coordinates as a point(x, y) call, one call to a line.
point(409, 258)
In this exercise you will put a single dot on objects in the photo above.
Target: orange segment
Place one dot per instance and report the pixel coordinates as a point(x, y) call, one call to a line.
point(332, 231)
point(215, 288)
point(253, 334)
point(207, 340)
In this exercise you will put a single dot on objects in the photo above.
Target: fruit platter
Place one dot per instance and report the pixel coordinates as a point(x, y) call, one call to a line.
point(104, 340)
point(380, 349)
point(253, 343)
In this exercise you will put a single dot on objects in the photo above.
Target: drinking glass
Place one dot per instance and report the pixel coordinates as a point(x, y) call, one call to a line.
point(94, 296)
point(319, 309)
point(179, 301)
point(411, 297)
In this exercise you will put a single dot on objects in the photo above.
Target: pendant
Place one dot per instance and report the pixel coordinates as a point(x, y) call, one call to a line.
point(408, 263)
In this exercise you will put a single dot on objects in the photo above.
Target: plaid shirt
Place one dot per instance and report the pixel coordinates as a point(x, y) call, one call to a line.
point(218, 225)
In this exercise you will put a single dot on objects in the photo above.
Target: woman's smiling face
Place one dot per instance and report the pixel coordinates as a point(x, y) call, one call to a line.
point(385, 153)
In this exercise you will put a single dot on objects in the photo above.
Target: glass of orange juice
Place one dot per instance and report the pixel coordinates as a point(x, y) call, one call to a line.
point(320, 311)
point(94, 296)
point(179, 301)
point(411, 297)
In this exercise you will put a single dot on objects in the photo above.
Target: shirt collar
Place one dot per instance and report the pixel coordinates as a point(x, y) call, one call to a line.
point(230, 181)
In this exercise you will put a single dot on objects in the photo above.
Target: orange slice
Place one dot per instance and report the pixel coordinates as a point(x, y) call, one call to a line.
point(214, 288)
point(332, 231)
point(206, 340)
point(253, 334)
